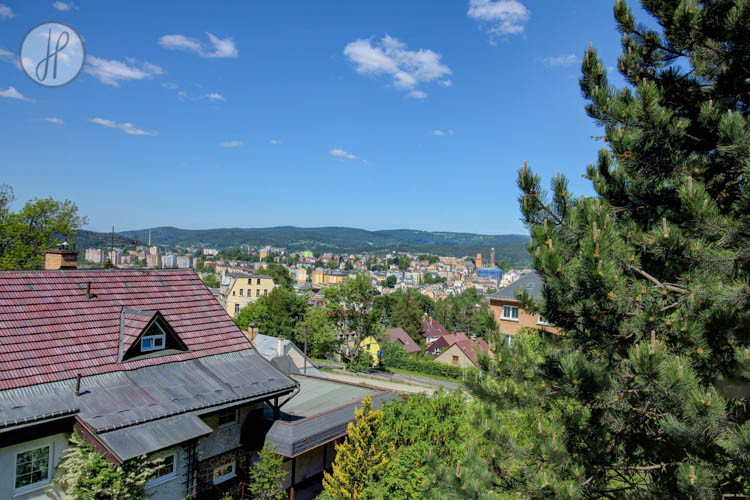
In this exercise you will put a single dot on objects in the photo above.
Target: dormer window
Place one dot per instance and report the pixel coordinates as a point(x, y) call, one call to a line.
point(154, 341)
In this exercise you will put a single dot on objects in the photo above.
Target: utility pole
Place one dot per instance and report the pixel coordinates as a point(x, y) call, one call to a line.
point(304, 371)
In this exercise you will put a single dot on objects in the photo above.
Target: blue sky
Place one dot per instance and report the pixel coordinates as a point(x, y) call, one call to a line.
point(377, 115)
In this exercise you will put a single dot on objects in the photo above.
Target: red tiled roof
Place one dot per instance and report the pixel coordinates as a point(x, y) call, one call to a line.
point(400, 335)
point(432, 328)
point(471, 348)
point(50, 331)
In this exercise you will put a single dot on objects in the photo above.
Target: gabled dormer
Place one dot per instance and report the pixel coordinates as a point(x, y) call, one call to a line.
point(146, 334)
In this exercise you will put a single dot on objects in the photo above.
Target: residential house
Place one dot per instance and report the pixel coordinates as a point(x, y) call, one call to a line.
point(444, 342)
point(399, 335)
point(508, 311)
point(463, 353)
point(139, 362)
point(241, 289)
point(432, 330)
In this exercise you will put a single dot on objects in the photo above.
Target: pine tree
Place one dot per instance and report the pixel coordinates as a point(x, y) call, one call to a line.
point(644, 393)
point(360, 457)
point(267, 475)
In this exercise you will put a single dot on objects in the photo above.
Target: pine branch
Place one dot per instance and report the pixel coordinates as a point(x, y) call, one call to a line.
point(655, 281)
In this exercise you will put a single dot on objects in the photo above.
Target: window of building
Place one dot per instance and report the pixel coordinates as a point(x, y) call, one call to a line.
point(228, 417)
point(510, 312)
point(258, 281)
point(236, 309)
point(241, 292)
point(33, 468)
point(234, 293)
point(249, 281)
point(224, 472)
point(155, 339)
point(542, 321)
point(257, 292)
point(454, 360)
point(265, 292)
point(164, 472)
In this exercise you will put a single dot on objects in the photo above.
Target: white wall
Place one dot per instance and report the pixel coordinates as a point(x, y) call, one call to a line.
point(59, 443)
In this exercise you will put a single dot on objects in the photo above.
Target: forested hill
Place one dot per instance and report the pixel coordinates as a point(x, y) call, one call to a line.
point(510, 247)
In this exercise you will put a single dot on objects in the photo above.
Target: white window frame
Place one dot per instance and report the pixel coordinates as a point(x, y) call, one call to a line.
point(236, 309)
point(50, 468)
point(227, 476)
point(153, 339)
point(541, 321)
point(166, 477)
point(232, 422)
point(509, 318)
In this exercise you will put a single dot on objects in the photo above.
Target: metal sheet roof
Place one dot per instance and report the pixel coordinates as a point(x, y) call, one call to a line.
point(131, 442)
point(121, 399)
point(320, 412)
point(531, 282)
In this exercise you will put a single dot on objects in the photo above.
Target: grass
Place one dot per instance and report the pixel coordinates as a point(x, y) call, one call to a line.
point(420, 374)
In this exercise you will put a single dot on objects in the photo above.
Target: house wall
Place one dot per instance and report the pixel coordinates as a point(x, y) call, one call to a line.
point(234, 297)
point(446, 357)
point(309, 464)
point(59, 443)
point(525, 319)
point(222, 439)
point(371, 346)
point(173, 488)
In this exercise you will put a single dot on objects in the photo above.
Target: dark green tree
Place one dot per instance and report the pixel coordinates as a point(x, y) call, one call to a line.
point(350, 304)
point(275, 314)
point(280, 274)
point(40, 225)
point(211, 280)
point(644, 395)
point(267, 475)
point(390, 281)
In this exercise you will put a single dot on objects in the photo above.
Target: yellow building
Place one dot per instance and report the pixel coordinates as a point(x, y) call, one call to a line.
point(317, 277)
point(372, 347)
point(240, 289)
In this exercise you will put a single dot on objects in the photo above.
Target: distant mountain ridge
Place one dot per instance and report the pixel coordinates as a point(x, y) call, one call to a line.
point(511, 247)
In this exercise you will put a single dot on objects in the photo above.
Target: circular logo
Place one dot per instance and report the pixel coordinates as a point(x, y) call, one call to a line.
point(52, 54)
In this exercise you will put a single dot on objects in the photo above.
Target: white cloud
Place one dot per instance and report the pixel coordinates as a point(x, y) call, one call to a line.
point(214, 96)
point(6, 12)
point(231, 144)
point(170, 86)
point(128, 128)
point(446, 83)
point(216, 47)
point(12, 93)
point(389, 56)
point(563, 60)
point(111, 72)
point(500, 17)
point(441, 133)
point(63, 6)
point(7, 56)
point(341, 154)
point(56, 121)
point(275, 141)
point(182, 94)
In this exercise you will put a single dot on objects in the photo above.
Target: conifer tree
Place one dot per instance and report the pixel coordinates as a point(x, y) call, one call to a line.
point(360, 457)
point(644, 393)
point(267, 475)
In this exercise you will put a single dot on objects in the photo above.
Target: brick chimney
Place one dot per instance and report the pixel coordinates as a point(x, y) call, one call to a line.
point(60, 258)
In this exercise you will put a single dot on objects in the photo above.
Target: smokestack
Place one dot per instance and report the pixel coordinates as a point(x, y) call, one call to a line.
point(78, 385)
point(88, 290)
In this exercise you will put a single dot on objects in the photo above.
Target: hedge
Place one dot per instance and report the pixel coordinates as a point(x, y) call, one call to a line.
point(426, 367)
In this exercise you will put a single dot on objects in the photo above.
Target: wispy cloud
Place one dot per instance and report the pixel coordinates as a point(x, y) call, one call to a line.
point(441, 133)
point(341, 154)
point(7, 56)
point(446, 83)
point(6, 12)
point(500, 17)
point(170, 86)
point(12, 93)
point(214, 96)
point(126, 127)
point(563, 60)
point(63, 6)
point(389, 56)
point(275, 141)
point(111, 72)
point(231, 144)
point(216, 47)
point(56, 121)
